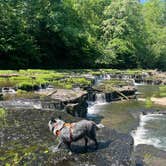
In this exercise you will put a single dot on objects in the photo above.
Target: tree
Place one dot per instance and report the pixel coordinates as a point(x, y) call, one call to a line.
point(154, 12)
point(123, 33)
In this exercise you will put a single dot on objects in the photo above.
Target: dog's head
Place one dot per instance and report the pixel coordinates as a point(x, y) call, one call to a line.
point(56, 124)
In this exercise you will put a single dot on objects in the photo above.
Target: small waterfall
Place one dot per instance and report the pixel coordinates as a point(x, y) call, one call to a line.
point(92, 110)
point(100, 98)
point(106, 77)
point(151, 131)
point(136, 83)
point(100, 78)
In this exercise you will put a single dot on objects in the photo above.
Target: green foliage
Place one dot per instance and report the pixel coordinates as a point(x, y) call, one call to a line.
point(69, 83)
point(148, 103)
point(155, 20)
point(122, 33)
point(162, 91)
point(2, 112)
point(82, 34)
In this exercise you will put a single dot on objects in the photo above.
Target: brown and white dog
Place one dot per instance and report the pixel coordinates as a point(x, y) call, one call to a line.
point(71, 132)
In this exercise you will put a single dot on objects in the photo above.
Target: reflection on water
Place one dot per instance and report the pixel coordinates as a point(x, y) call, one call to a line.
point(148, 90)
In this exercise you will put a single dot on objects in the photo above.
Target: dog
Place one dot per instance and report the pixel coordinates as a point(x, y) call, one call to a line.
point(71, 132)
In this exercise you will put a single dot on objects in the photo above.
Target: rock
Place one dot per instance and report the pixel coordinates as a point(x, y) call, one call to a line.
point(116, 90)
point(115, 149)
point(150, 155)
point(1, 96)
point(29, 134)
point(139, 161)
point(67, 95)
point(72, 108)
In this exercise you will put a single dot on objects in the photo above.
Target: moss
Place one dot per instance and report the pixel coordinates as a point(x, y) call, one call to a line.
point(116, 82)
point(24, 94)
point(148, 103)
point(3, 114)
point(162, 91)
point(68, 83)
point(18, 155)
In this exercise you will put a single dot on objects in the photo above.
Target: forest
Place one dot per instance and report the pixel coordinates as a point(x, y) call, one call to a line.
point(54, 34)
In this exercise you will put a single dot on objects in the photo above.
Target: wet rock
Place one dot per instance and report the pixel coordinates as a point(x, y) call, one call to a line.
point(1, 96)
point(66, 95)
point(114, 149)
point(139, 161)
point(27, 136)
point(150, 155)
point(72, 108)
point(21, 104)
point(116, 90)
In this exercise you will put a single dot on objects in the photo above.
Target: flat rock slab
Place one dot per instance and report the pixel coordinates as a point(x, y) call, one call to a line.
point(67, 95)
point(115, 149)
point(26, 133)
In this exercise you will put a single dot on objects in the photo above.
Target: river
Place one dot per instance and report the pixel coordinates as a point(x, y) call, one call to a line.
point(127, 117)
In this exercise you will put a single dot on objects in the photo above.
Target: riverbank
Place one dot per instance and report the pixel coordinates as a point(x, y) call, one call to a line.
point(159, 101)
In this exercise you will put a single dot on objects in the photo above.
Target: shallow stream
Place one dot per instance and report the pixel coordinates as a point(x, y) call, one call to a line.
point(127, 117)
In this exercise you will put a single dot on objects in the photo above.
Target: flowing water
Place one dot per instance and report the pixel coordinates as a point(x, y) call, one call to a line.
point(25, 138)
point(126, 117)
point(151, 131)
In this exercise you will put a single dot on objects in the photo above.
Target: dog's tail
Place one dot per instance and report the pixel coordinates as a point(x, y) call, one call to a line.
point(99, 126)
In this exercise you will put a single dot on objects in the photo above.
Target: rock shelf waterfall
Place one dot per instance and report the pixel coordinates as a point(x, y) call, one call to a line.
point(151, 131)
point(100, 99)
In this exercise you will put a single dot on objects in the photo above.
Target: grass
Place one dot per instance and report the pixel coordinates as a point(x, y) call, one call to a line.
point(3, 114)
point(162, 91)
point(148, 103)
point(69, 83)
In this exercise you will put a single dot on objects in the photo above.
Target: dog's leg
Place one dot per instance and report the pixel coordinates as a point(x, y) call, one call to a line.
point(68, 144)
point(95, 140)
point(86, 142)
point(59, 145)
point(96, 143)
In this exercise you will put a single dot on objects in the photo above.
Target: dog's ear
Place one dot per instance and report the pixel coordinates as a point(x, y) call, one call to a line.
point(53, 120)
point(59, 117)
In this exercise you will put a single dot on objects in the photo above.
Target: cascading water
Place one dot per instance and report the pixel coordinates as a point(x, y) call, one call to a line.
point(100, 98)
point(151, 131)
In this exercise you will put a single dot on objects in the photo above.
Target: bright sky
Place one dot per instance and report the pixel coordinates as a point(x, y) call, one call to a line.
point(142, 1)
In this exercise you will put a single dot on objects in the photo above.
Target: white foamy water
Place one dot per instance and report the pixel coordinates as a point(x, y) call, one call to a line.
point(27, 103)
point(100, 98)
point(92, 106)
point(151, 131)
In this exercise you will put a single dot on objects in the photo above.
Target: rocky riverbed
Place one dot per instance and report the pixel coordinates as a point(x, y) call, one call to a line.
point(25, 139)
point(24, 134)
